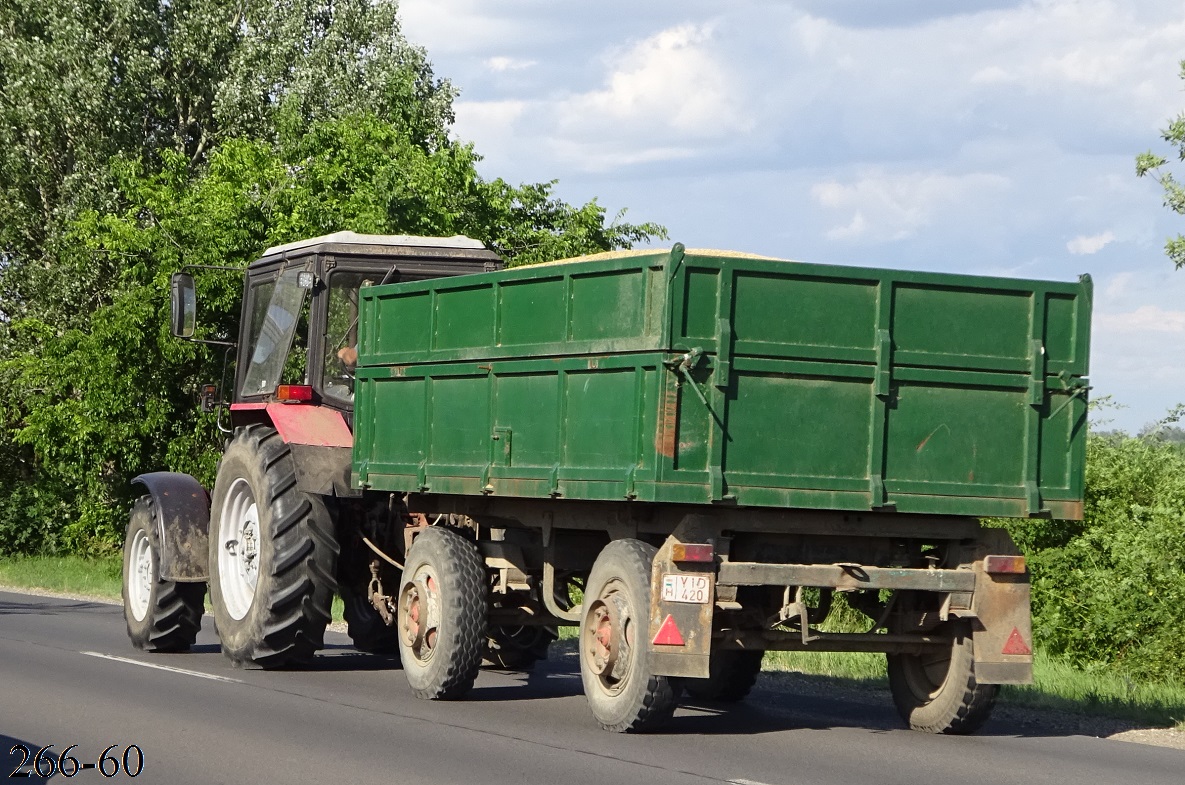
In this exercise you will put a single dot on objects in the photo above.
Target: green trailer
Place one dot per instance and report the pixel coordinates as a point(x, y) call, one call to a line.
point(714, 445)
point(712, 378)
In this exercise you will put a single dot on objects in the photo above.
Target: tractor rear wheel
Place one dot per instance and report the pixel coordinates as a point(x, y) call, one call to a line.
point(364, 625)
point(272, 555)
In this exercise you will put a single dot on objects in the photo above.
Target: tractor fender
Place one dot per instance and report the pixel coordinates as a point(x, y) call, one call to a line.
point(321, 443)
point(182, 511)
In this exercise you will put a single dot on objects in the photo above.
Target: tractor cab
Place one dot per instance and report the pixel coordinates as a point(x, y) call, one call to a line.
point(298, 334)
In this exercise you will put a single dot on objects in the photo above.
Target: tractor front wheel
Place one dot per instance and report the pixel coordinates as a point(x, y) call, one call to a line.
point(161, 615)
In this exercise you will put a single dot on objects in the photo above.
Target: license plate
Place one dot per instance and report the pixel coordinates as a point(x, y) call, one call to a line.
point(695, 589)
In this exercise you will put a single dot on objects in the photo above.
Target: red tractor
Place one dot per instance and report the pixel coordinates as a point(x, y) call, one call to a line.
point(282, 531)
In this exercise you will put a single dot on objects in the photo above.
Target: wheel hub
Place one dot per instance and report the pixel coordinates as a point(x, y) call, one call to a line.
point(609, 638)
point(239, 555)
point(419, 606)
point(140, 581)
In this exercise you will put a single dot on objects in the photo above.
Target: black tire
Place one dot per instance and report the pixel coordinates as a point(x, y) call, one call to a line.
point(937, 692)
point(170, 613)
point(518, 648)
point(623, 694)
point(281, 622)
point(731, 676)
point(444, 578)
point(364, 625)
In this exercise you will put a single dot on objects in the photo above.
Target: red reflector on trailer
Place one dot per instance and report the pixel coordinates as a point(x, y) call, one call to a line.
point(294, 393)
point(668, 634)
point(1016, 644)
point(682, 551)
point(1014, 565)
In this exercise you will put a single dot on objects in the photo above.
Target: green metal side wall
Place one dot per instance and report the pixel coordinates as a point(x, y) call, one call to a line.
point(819, 386)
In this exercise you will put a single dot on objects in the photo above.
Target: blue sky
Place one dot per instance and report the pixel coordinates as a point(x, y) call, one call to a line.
point(981, 137)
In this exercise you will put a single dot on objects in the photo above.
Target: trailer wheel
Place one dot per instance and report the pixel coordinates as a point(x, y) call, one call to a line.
point(731, 675)
point(272, 555)
point(364, 625)
point(937, 692)
point(623, 694)
point(161, 615)
point(442, 614)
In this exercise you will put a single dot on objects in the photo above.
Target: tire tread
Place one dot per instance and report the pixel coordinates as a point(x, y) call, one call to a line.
point(652, 705)
point(294, 617)
point(176, 610)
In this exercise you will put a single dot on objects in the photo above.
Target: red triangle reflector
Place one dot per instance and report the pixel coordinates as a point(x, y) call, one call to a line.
point(668, 634)
point(1016, 644)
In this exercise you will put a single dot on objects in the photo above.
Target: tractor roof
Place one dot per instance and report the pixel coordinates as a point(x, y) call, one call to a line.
point(402, 245)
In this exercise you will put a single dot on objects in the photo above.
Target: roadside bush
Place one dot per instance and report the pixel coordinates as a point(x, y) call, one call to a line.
point(1109, 591)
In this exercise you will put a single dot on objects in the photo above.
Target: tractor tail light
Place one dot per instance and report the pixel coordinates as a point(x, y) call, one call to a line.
point(294, 393)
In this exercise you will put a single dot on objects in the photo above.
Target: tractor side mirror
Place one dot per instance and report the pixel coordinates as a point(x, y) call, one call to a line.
point(184, 302)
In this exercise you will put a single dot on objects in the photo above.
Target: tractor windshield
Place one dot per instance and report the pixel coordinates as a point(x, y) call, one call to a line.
point(274, 318)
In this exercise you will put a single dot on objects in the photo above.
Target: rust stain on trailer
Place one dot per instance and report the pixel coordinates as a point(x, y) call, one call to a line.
point(665, 443)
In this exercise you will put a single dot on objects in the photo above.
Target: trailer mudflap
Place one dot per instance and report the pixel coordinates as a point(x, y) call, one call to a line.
point(1003, 634)
point(682, 599)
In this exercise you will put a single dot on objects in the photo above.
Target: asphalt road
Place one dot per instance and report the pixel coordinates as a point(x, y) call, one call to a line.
point(68, 676)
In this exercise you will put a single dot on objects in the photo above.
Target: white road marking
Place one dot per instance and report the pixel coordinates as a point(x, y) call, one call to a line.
point(129, 661)
point(741, 781)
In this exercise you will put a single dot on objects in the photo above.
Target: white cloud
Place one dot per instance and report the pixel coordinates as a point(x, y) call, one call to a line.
point(456, 26)
point(672, 81)
point(989, 75)
point(1118, 287)
point(478, 114)
point(888, 207)
point(502, 63)
point(666, 97)
point(854, 229)
point(1088, 244)
point(1146, 318)
point(599, 157)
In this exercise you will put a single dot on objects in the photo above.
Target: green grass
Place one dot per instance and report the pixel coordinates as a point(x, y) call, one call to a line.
point(101, 577)
point(839, 665)
point(1061, 686)
point(65, 574)
point(1058, 685)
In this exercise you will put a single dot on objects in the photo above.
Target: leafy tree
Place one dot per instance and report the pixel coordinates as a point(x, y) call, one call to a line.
point(1156, 166)
point(96, 404)
point(1108, 590)
point(301, 62)
point(84, 80)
